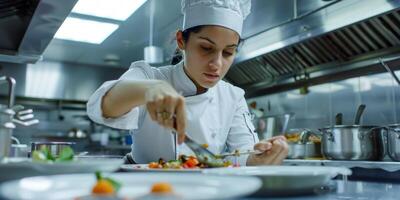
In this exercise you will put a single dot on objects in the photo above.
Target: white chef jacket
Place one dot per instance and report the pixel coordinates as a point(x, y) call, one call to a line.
point(218, 117)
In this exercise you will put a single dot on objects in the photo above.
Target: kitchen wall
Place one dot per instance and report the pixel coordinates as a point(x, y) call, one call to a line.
point(57, 92)
point(57, 80)
point(318, 108)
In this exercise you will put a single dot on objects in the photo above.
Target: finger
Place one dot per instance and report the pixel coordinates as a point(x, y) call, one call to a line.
point(170, 106)
point(278, 137)
point(283, 150)
point(180, 119)
point(158, 103)
point(263, 146)
point(151, 109)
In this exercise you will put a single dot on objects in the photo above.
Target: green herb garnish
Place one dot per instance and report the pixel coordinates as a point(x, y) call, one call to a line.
point(44, 155)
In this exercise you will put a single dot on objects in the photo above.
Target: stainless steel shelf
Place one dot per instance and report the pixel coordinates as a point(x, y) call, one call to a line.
point(385, 165)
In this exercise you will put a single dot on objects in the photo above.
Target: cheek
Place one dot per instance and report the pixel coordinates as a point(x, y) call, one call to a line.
point(227, 65)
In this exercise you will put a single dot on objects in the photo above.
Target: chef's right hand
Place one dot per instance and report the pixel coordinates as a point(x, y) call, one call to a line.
point(167, 108)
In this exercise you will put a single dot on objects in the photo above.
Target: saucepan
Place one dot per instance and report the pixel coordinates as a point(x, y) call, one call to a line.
point(353, 142)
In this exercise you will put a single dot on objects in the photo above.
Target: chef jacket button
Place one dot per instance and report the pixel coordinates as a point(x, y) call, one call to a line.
point(213, 135)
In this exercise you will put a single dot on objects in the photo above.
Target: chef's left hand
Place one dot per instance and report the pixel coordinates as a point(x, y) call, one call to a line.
point(275, 150)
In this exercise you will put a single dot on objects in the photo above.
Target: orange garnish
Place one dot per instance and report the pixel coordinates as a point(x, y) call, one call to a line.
point(103, 187)
point(161, 187)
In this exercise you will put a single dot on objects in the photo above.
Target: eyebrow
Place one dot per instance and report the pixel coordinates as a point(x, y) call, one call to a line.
point(212, 42)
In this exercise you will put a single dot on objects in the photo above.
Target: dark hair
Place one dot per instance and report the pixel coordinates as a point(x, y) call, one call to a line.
point(178, 56)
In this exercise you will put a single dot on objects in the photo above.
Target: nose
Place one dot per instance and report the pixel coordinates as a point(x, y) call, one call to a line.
point(216, 61)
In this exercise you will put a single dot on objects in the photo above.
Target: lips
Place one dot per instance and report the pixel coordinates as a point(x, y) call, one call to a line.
point(211, 77)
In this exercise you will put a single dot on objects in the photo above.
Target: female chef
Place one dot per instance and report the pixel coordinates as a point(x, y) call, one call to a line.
point(190, 97)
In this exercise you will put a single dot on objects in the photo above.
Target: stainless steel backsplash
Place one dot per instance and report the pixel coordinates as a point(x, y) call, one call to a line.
point(318, 108)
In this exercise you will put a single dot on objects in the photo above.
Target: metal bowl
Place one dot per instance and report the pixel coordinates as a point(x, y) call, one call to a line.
point(54, 147)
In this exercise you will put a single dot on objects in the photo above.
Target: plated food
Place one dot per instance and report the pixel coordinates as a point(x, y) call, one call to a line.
point(107, 188)
point(187, 162)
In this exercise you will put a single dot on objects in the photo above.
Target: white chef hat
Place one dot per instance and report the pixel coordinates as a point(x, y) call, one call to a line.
point(226, 13)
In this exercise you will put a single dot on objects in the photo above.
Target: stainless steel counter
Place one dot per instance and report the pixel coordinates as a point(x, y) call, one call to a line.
point(384, 165)
point(352, 190)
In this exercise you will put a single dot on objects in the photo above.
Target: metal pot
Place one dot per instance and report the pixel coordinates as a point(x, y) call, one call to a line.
point(352, 142)
point(305, 148)
point(301, 151)
point(393, 141)
point(54, 147)
point(296, 150)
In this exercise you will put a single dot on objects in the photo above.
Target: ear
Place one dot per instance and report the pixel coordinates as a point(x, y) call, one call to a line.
point(179, 40)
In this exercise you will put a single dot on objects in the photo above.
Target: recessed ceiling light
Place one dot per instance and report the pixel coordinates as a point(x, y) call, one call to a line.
point(112, 9)
point(81, 30)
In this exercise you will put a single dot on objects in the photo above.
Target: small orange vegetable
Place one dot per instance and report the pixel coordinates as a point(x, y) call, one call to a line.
point(191, 162)
point(205, 145)
point(161, 187)
point(103, 187)
point(154, 165)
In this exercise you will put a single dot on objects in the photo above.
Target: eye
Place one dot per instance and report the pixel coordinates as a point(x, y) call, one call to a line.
point(206, 48)
point(227, 53)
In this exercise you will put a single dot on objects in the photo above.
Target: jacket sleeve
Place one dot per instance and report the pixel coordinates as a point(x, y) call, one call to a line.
point(128, 121)
point(242, 135)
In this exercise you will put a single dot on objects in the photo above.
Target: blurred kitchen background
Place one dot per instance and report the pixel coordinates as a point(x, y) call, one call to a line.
point(309, 59)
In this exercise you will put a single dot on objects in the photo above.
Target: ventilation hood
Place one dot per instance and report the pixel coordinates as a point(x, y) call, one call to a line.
point(28, 26)
point(337, 38)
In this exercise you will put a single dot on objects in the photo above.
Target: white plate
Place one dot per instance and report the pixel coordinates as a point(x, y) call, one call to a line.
point(19, 168)
point(145, 167)
point(187, 186)
point(286, 179)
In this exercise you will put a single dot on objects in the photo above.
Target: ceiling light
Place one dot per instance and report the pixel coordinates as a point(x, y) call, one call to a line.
point(115, 9)
point(81, 30)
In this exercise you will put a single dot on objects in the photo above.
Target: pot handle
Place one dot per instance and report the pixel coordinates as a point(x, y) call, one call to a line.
point(308, 132)
point(396, 131)
point(330, 136)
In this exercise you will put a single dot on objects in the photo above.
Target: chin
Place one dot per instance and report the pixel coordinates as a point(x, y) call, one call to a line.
point(209, 84)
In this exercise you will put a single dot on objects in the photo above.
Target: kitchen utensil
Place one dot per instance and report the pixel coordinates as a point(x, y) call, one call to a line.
point(359, 113)
point(393, 141)
point(239, 153)
point(19, 150)
point(54, 147)
point(305, 148)
point(296, 151)
point(352, 142)
point(6, 128)
point(285, 123)
point(203, 154)
point(339, 119)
